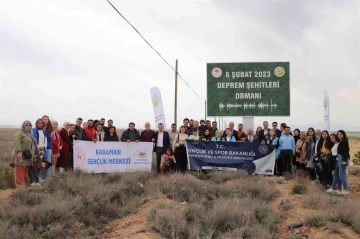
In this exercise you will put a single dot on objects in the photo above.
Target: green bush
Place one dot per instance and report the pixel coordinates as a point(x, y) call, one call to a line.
point(315, 221)
point(299, 189)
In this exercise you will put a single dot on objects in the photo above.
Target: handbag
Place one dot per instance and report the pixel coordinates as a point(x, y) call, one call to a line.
point(26, 154)
point(177, 144)
point(298, 154)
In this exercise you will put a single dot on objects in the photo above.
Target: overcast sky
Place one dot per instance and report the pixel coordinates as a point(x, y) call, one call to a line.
point(79, 58)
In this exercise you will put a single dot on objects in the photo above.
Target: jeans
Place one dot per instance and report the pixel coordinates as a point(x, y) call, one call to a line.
point(33, 175)
point(340, 174)
point(46, 173)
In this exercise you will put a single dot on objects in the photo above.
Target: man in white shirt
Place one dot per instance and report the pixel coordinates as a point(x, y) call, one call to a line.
point(162, 142)
point(173, 133)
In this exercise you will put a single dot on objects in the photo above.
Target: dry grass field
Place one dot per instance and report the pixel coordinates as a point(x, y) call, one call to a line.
point(195, 205)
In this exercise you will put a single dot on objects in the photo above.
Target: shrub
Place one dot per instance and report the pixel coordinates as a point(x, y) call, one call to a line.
point(355, 171)
point(91, 200)
point(6, 176)
point(356, 159)
point(315, 221)
point(346, 212)
point(299, 189)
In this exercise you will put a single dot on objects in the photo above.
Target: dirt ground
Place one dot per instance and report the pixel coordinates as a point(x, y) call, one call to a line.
point(136, 226)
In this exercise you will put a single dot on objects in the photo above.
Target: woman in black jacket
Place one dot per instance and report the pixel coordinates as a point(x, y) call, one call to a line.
point(342, 163)
point(112, 136)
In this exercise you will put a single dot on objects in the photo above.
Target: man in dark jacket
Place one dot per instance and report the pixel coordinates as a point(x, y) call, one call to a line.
point(131, 134)
point(162, 142)
point(78, 129)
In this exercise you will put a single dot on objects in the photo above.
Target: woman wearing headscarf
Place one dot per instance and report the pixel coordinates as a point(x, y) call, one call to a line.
point(300, 151)
point(63, 161)
point(25, 149)
point(296, 138)
point(41, 141)
point(206, 136)
point(218, 135)
point(273, 140)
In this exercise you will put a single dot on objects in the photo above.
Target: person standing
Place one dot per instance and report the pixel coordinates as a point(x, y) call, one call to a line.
point(41, 141)
point(287, 150)
point(264, 133)
point(206, 136)
point(318, 169)
point(277, 131)
point(309, 158)
point(88, 132)
point(324, 155)
point(251, 138)
point(131, 134)
point(162, 141)
point(112, 136)
point(273, 140)
point(47, 129)
point(78, 130)
point(110, 123)
point(172, 133)
point(57, 143)
point(233, 131)
point(202, 127)
point(147, 135)
point(194, 136)
point(300, 151)
point(25, 149)
point(213, 128)
point(99, 133)
point(72, 137)
point(228, 136)
point(343, 157)
point(240, 132)
point(63, 161)
point(179, 149)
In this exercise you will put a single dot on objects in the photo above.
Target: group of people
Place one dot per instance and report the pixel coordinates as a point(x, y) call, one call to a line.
point(43, 151)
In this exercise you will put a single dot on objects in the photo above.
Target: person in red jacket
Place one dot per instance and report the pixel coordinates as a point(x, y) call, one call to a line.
point(57, 146)
point(63, 162)
point(89, 132)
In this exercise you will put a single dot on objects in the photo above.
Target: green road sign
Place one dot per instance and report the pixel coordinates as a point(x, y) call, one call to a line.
point(248, 89)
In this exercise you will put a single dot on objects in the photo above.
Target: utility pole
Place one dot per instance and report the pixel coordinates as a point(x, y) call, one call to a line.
point(176, 83)
point(205, 110)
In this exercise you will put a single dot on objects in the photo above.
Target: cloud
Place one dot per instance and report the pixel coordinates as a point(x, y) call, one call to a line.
point(80, 58)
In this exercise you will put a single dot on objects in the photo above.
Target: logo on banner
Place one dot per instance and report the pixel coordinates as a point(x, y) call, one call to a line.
point(216, 72)
point(155, 100)
point(279, 71)
point(263, 149)
point(326, 103)
point(80, 156)
point(142, 154)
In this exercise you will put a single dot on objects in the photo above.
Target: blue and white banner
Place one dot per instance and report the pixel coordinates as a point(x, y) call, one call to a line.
point(233, 156)
point(110, 157)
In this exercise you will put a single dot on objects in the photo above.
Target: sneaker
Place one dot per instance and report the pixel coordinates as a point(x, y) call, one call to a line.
point(41, 180)
point(37, 184)
point(32, 184)
point(330, 190)
point(344, 192)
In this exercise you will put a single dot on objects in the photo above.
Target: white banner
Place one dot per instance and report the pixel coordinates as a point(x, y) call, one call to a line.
point(157, 106)
point(110, 157)
point(326, 111)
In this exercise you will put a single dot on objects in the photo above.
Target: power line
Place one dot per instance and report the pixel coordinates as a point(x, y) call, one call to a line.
point(154, 49)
